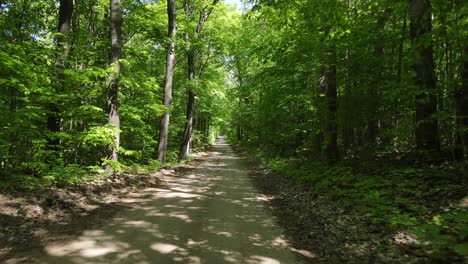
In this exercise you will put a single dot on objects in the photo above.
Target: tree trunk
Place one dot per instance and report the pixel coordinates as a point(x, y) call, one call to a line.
point(427, 137)
point(379, 80)
point(461, 100)
point(188, 131)
point(112, 89)
point(378, 83)
point(327, 90)
point(400, 48)
point(63, 48)
point(170, 64)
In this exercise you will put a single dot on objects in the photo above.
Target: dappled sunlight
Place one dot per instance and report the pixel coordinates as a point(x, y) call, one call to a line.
point(405, 238)
point(142, 224)
point(163, 248)
point(226, 234)
point(260, 197)
point(127, 254)
point(224, 170)
point(280, 241)
point(304, 253)
point(179, 215)
point(213, 165)
point(193, 243)
point(228, 157)
point(262, 260)
point(86, 247)
point(211, 214)
point(178, 195)
point(231, 256)
point(194, 260)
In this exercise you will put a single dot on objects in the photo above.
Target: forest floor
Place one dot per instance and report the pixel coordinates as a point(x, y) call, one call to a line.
point(369, 211)
point(335, 233)
point(220, 208)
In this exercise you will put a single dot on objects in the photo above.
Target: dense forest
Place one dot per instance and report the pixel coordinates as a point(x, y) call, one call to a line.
point(364, 100)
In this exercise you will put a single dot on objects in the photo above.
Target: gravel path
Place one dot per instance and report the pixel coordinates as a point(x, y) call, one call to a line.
point(210, 213)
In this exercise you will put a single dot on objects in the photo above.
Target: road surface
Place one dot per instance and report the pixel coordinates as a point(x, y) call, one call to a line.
point(207, 214)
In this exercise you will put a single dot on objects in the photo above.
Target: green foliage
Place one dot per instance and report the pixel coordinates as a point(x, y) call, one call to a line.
point(72, 174)
point(34, 88)
point(99, 136)
point(115, 166)
point(445, 234)
point(152, 166)
point(394, 198)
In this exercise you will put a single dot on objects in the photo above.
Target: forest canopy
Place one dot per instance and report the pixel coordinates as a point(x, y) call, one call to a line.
point(83, 81)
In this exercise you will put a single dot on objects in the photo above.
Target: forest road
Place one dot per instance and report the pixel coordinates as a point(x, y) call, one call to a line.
point(210, 213)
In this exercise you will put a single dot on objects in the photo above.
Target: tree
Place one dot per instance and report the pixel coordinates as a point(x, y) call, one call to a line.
point(461, 103)
point(170, 64)
point(63, 49)
point(204, 14)
point(112, 89)
point(427, 137)
point(327, 91)
point(328, 86)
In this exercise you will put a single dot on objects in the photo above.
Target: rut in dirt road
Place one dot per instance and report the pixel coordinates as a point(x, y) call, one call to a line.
point(208, 214)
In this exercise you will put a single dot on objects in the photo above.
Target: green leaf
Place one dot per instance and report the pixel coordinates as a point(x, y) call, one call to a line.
point(461, 249)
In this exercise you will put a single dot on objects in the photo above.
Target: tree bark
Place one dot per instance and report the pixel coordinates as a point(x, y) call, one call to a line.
point(461, 101)
point(112, 89)
point(327, 90)
point(379, 80)
point(63, 48)
point(400, 47)
point(427, 136)
point(170, 64)
point(188, 130)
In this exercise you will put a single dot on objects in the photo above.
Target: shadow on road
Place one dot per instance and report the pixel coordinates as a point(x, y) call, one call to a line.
point(208, 214)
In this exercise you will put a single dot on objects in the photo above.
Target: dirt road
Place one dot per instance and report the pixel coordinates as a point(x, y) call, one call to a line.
point(207, 214)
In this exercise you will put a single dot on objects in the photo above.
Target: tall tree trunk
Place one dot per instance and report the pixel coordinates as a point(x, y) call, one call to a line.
point(427, 136)
point(327, 90)
point(170, 64)
point(112, 89)
point(461, 101)
point(188, 130)
point(239, 120)
point(379, 75)
point(400, 48)
point(63, 48)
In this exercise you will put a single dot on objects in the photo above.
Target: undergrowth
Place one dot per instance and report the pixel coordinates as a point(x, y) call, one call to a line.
point(429, 203)
point(72, 175)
